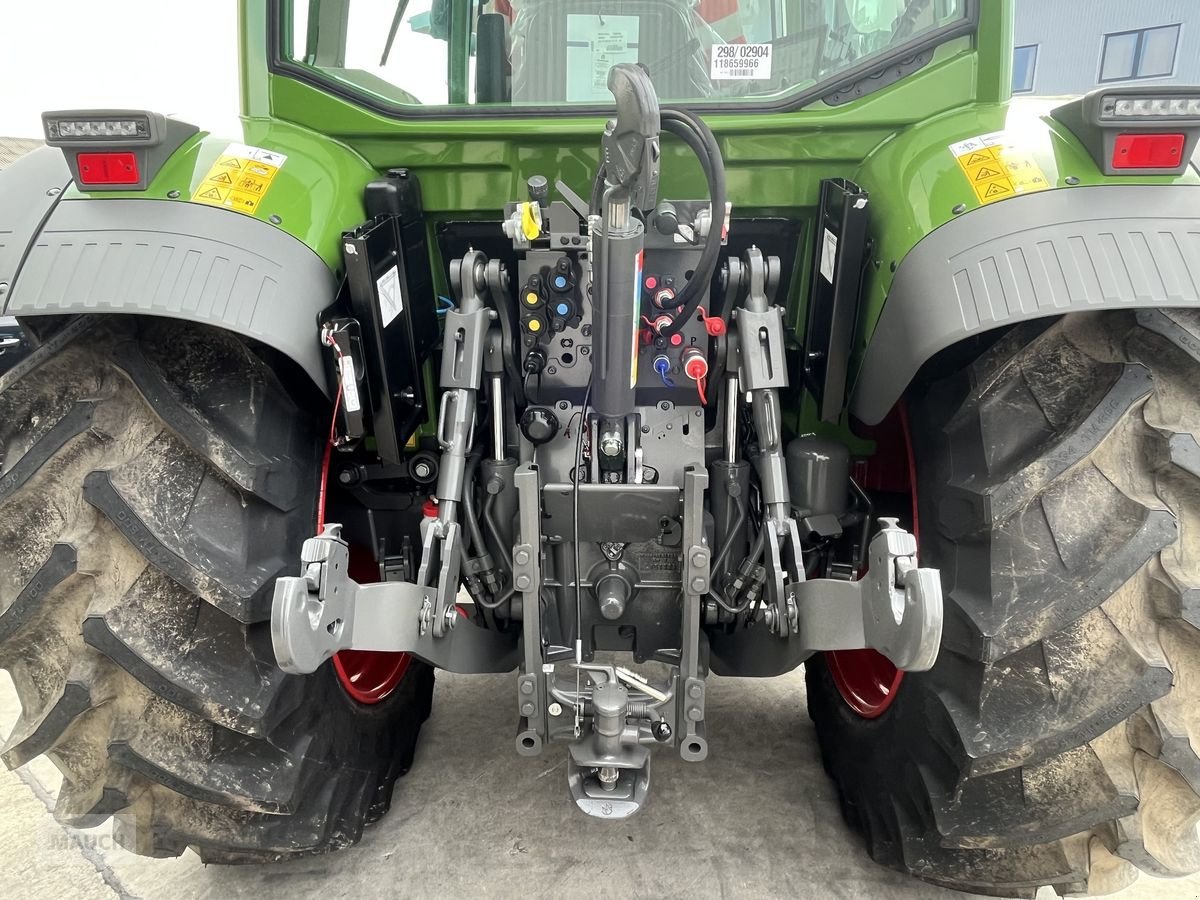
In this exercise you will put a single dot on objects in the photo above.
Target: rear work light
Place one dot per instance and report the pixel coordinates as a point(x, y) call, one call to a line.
point(1115, 107)
point(135, 128)
point(114, 149)
point(1137, 131)
point(107, 168)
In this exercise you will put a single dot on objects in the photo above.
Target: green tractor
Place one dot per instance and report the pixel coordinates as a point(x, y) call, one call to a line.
point(614, 344)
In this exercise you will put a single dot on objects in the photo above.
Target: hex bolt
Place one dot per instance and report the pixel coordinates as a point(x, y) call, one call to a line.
point(521, 557)
point(695, 691)
point(422, 469)
point(698, 559)
point(528, 709)
point(523, 582)
point(526, 687)
point(698, 585)
point(695, 713)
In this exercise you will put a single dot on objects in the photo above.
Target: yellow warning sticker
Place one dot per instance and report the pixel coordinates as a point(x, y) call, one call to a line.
point(239, 179)
point(998, 168)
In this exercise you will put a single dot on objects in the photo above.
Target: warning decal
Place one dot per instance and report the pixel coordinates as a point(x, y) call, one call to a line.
point(239, 179)
point(997, 168)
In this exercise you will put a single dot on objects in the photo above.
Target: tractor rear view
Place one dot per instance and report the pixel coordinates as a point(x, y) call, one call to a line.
point(615, 344)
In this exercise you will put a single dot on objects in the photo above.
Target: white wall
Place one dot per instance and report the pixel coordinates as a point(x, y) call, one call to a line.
point(170, 56)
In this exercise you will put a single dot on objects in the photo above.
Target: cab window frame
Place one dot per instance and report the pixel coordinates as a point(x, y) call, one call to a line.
point(279, 36)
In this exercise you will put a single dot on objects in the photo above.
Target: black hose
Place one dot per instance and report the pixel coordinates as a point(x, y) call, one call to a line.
point(474, 535)
point(733, 533)
point(597, 197)
point(509, 340)
point(700, 139)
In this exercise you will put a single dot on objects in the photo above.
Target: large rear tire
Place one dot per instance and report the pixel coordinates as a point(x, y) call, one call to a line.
point(155, 478)
point(1056, 740)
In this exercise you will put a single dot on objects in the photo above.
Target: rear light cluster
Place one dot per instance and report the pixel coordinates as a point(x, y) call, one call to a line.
point(1137, 131)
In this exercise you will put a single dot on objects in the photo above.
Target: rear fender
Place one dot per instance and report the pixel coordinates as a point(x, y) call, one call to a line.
point(1037, 256)
point(266, 275)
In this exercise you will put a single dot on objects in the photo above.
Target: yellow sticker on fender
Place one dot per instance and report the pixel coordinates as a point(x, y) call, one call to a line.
point(239, 179)
point(997, 168)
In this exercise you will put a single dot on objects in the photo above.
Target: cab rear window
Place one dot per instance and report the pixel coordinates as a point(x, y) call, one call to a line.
point(548, 53)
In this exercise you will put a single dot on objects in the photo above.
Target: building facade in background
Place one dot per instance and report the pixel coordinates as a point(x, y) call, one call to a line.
point(1073, 46)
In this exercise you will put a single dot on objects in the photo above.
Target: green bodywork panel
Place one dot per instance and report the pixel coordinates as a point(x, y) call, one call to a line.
point(894, 142)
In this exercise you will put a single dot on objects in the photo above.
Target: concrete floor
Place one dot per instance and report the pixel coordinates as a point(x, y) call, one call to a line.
point(758, 819)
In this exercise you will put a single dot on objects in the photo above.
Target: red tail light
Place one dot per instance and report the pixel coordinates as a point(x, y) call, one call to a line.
point(107, 168)
point(1149, 151)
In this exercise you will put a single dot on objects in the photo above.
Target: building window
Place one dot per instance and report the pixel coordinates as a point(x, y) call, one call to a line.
point(1149, 53)
point(1024, 68)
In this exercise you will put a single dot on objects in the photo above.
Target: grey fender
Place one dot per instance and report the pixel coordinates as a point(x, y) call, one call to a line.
point(179, 260)
point(29, 189)
point(1064, 251)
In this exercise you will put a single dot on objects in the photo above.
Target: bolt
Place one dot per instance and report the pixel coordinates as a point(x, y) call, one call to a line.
point(698, 559)
point(695, 713)
point(523, 582)
point(1072, 180)
point(451, 617)
point(528, 709)
point(695, 691)
point(610, 443)
point(275, 220)
point(422, 469)
point(173, 195)
point(551, 370)
point(53, 192)
point(346, 476)
point(960, 209)
point(608, 777)
point(563, 404)
point(698, 585)
point(526, 687)
point(3, 288)
point(554, 709)
point(521, 557)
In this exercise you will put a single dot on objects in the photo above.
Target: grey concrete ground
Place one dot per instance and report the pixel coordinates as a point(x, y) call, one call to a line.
point(472, 819)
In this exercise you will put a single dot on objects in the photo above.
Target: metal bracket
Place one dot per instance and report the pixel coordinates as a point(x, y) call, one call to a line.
point(900, 606)
point(315, 615)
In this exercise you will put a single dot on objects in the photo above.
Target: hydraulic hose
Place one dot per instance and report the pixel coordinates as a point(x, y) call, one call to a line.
point(509, 339)
point(470, 519)
point(700, 139)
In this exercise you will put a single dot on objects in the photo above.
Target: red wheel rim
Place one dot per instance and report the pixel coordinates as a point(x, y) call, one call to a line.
point(866, 679)
point(368, 676)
